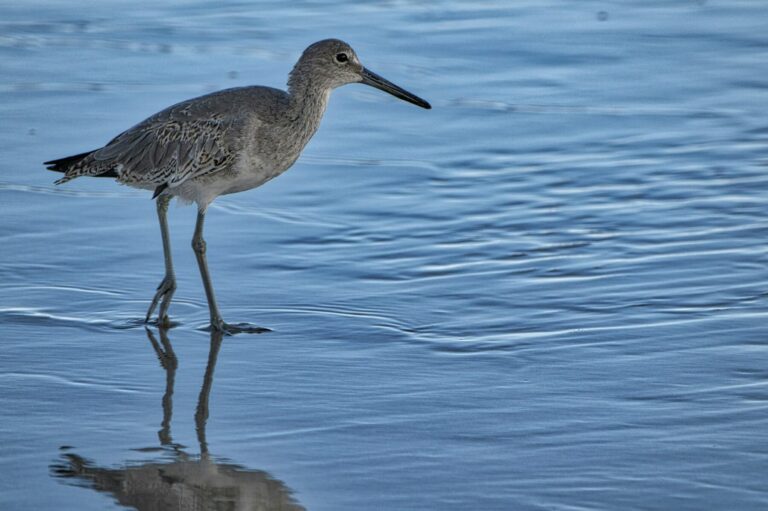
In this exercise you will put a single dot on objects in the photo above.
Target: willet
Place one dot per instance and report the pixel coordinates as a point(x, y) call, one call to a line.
point(225, 142)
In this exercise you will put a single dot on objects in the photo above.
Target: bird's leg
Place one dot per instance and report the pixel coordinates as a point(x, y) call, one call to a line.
point(198, 245)
point(217, 324)
point(168, 285)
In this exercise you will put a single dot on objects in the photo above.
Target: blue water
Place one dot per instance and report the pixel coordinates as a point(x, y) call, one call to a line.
point(547, 293)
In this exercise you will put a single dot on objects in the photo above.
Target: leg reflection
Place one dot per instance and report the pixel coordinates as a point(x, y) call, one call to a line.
point(186, 481)
point(169, 362)
point(201, 413)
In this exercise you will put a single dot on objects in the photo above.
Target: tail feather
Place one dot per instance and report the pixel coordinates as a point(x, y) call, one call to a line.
point(63, 164)
point(70, 163)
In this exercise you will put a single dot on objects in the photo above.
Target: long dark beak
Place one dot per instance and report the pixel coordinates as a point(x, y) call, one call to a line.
point(374, 80)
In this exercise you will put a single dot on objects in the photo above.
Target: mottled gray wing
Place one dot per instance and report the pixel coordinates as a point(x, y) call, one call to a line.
point(183, 142)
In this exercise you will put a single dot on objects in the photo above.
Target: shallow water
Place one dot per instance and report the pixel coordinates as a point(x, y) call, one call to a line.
point(549, 292)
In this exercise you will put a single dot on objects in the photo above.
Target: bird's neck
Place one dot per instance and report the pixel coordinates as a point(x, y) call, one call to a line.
point(307, 102)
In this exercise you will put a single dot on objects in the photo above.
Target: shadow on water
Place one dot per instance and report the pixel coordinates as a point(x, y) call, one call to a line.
point(188, 482)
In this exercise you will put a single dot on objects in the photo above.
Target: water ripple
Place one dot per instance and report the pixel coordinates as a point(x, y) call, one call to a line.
point(41, 318)
point(120, 193)
point(16, 378)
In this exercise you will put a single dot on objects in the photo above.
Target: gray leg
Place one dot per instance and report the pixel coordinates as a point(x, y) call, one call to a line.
point(198, 245)
point(217, 324)
point(168, 285)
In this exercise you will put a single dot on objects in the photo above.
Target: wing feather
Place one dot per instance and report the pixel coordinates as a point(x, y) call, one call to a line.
point(193, 138)
point(180, 143)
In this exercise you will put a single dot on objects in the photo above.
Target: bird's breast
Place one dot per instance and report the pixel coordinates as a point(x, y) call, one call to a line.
point(250, 171)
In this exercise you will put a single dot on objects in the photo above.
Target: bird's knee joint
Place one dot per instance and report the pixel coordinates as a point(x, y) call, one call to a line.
point(198, 245)
point(162, 203)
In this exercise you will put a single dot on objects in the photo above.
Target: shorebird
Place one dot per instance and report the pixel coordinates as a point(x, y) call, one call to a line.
point(225, 142)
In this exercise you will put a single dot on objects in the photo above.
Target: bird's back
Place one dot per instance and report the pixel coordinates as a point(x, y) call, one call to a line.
point(190, 139)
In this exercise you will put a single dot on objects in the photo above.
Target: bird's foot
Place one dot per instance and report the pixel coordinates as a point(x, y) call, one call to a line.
point(163, 296)
point(218, 325)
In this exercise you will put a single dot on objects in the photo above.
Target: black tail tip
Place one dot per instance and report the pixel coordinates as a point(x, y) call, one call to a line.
point(63, 164)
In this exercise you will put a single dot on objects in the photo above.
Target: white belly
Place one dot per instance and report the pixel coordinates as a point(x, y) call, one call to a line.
point(245, 174)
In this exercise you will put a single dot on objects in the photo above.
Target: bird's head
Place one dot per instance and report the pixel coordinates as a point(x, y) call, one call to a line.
point(331, 63)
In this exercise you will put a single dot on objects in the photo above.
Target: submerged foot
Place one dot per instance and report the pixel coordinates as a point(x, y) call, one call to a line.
point(163, 296)
point(235, 328)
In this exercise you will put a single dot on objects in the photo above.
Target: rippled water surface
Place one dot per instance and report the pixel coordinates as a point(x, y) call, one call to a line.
point(548, 292)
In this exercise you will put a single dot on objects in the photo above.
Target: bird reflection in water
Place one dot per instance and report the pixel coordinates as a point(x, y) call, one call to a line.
point(187, 482)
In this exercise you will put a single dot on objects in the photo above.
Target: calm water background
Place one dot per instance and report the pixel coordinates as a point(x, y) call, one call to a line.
point(549, 292)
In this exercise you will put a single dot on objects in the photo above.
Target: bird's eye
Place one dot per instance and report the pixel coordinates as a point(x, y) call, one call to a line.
point(341, 57)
